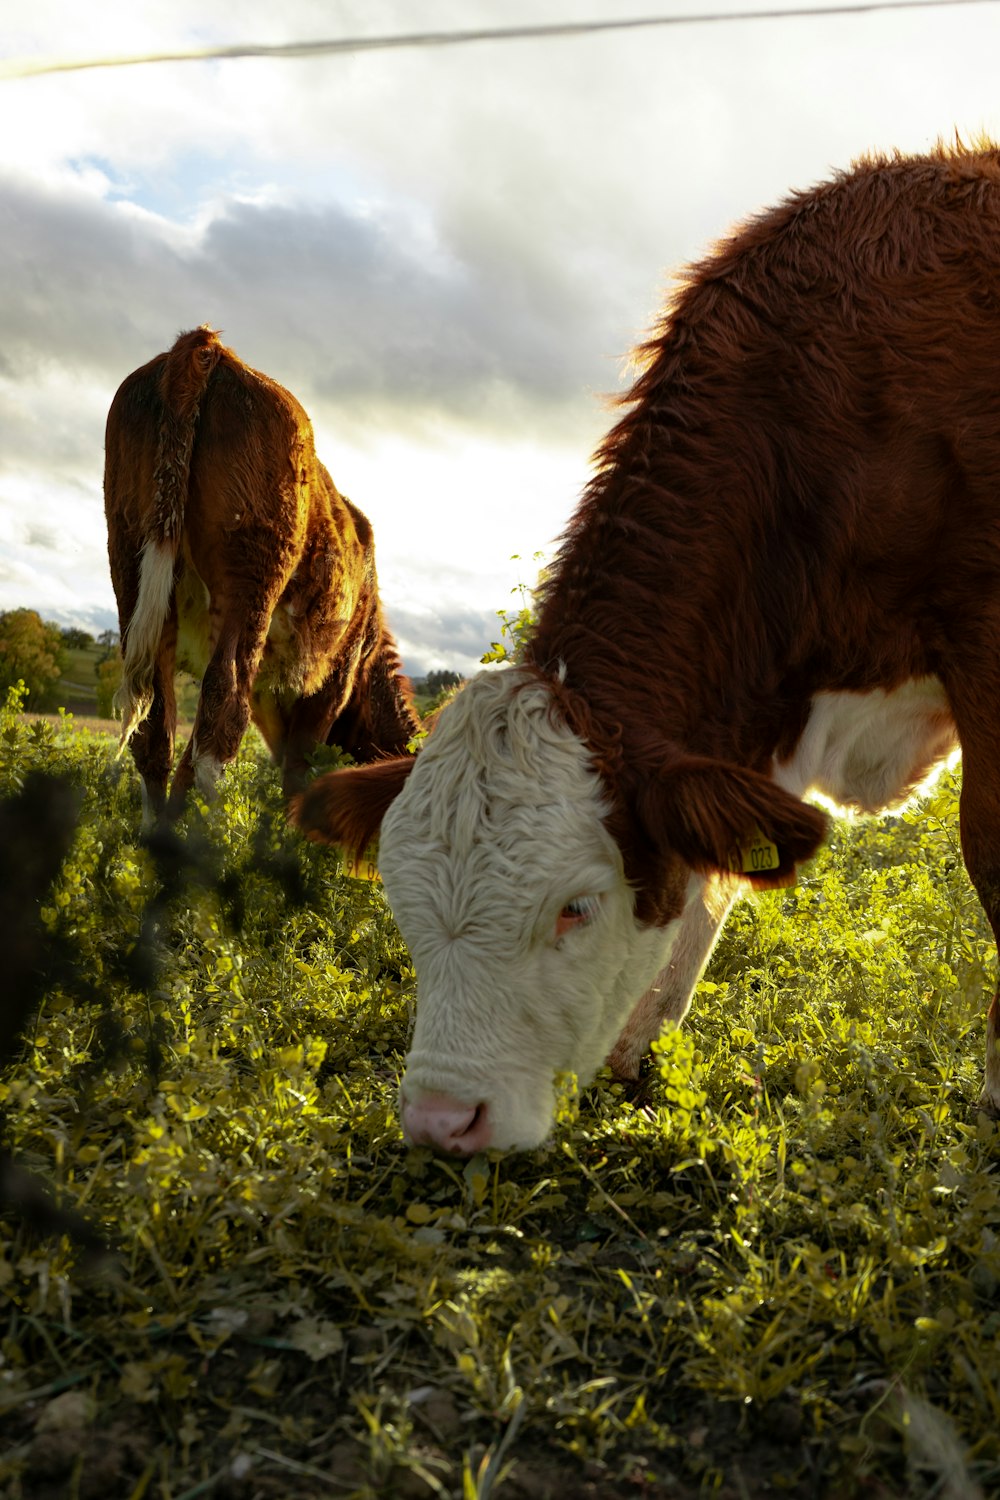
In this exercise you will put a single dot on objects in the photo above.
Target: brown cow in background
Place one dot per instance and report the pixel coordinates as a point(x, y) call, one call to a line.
point(234, 557)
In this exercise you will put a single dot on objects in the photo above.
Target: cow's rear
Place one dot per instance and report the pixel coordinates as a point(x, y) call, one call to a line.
point(234, 557)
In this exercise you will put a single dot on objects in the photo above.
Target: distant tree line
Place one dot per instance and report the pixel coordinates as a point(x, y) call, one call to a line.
point(76, 640)
point(437, 682)
point(34, 651)
point(431, 691)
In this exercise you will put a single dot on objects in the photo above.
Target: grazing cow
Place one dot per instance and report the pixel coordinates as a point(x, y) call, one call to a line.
point(784, 578)
point(234, 556)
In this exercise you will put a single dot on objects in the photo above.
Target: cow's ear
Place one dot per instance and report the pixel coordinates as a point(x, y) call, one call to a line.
point(718, 816)
point(347, 807)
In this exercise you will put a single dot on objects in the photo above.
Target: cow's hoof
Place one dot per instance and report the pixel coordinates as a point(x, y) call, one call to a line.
point(625, 1063)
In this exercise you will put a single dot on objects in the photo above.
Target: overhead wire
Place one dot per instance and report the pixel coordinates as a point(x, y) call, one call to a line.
point(36, 66)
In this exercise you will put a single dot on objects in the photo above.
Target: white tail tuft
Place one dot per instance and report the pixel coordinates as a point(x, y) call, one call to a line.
point(142, 636)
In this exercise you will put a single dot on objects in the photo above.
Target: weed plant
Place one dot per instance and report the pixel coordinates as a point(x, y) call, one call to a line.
point(772, 1269)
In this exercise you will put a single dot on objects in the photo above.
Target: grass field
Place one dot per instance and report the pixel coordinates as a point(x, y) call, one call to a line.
point(76, 690)
point(773, 1269)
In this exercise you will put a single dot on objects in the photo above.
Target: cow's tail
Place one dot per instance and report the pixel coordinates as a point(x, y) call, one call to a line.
point(185, 374)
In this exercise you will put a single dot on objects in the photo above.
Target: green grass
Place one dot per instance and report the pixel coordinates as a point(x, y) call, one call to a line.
point(79, 671)
point(76, 690)
point(775, 1268)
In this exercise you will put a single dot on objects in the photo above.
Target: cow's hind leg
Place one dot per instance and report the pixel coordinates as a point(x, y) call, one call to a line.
point(669, 996)
point(223, 708)
point(152, 744)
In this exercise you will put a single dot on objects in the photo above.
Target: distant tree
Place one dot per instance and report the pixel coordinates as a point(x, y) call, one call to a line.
point(109, 640)
point(75, 639)
point(437, 682)
point(31, 649)
point(109, 676)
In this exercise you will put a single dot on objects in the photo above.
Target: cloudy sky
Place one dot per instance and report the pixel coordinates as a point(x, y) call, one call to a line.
point(446, 253)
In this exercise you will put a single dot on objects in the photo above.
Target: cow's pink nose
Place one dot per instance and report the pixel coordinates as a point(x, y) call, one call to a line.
point(442, 1121)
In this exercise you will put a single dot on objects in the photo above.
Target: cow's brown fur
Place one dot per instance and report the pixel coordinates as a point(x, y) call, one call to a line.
point(234, 556)
point(804, 496)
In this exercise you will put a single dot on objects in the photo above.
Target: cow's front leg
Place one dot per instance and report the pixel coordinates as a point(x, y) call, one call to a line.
point(669, 996)
point(310, 722)
point(979, 822)
point(223, 711)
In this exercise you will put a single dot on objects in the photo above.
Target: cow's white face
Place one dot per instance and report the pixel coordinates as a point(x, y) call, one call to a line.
point(511, 896)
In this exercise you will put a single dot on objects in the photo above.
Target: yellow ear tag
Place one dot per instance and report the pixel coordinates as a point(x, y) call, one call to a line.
point(364, 868)
point(755, 857)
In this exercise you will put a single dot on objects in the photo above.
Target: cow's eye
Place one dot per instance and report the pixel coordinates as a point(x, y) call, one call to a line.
point(577, 913)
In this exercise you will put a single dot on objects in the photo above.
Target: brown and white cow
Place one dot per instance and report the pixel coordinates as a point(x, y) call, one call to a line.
point(234, 556)
point(783, 579)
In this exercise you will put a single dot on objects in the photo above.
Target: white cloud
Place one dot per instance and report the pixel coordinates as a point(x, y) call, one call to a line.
point(445, 254)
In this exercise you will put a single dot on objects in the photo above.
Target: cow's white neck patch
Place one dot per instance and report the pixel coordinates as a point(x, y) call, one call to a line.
point(869, 752)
